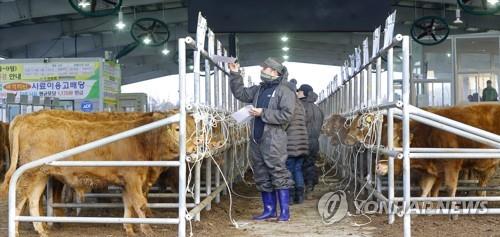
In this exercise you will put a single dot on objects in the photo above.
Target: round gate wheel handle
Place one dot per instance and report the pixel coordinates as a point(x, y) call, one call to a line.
point(435, 28)
point(93, 12)
point(146, 27)
point(484, 7)
point(150, 27)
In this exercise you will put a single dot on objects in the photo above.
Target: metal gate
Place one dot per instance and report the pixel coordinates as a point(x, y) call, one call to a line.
point(235, 152)
point(356, 92)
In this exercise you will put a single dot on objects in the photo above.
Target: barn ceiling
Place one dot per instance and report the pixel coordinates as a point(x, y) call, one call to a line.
point(51, 28)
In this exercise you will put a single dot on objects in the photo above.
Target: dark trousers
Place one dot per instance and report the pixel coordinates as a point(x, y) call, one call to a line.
point(310, 172)
point(269, 167)
point(294, 165)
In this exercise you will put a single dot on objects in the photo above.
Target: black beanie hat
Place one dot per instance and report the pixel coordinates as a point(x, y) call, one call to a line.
point(306, 89)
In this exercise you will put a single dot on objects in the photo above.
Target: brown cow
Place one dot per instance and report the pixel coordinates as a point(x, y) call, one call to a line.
point(482, 116)
point(4, 145)
point(334, 127)
point(43, 137)
point(90, 117)
point(213, 142)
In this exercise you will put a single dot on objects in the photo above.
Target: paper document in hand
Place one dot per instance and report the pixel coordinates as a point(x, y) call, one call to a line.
point(242, 115)
point(222, 59)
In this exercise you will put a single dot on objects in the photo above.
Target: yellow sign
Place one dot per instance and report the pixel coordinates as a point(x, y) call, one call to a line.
point(11, 72)
point(49, 71)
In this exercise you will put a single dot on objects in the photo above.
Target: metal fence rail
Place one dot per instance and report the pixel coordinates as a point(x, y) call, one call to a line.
point(92, 145)
point(212, 101)
point(355, 92)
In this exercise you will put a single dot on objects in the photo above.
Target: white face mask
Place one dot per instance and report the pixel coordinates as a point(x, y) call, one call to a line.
point(300, 94)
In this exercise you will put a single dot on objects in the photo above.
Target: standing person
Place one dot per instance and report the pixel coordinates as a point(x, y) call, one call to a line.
point(298, 148)
point(314, 121)
point(273, 105)
point(489, 93)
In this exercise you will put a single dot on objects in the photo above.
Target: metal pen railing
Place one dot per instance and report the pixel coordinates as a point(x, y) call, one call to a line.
point(223, 105)
point(92, 145)
point(352, 96)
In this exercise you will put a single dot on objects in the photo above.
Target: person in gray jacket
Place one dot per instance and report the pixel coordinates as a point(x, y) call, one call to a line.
point(273, 105)
point(298, 148)
point(314, 121)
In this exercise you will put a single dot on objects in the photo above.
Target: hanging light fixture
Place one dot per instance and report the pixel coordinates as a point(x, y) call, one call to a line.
point(165, 50)
point(457, 15)
point(83, 4)
point(120, 25)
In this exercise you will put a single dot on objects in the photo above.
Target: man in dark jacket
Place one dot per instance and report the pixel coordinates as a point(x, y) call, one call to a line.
point(274, 103)
point(298, 148)
point(314, 121)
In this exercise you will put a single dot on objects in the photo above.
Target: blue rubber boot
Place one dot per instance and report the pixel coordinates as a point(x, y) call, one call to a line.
point(284, 198)
point(269, 202)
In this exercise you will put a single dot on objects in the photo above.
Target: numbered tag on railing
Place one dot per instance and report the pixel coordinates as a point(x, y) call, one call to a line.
point(210, 39)
point(366, 52)
point(335, 82)
point(226, 65)
point(219, 50)
point(346, 70)
point(376, 42)
point(357, 52)
point(351, 65)
point(342, 73)
point(201, 31)
point(389, 29)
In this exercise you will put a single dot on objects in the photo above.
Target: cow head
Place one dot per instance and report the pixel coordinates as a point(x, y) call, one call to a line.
point(382, 168)
point(220, 131)
point(359, 130)
point(169, 138)
point(212, 131)
point(334, 128)
point(191, 138)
